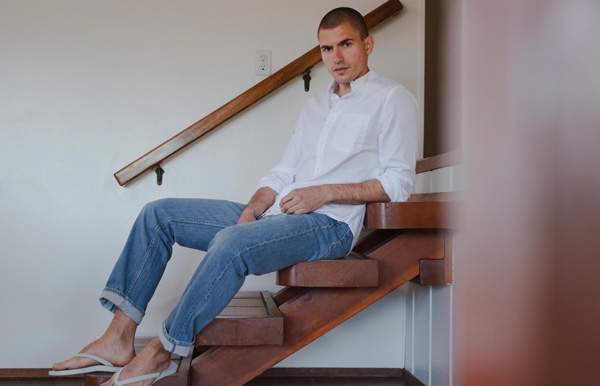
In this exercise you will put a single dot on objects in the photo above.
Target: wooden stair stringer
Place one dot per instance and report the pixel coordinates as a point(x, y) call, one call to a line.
point(310, 313)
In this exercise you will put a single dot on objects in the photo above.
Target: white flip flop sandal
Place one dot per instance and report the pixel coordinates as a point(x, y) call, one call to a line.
point(103, 366)
point(172, 369)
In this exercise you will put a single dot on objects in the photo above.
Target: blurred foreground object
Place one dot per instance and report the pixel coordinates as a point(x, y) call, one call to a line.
point(527, 293)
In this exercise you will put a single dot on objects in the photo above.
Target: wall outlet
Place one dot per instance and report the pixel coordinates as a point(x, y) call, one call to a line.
point(262, 63)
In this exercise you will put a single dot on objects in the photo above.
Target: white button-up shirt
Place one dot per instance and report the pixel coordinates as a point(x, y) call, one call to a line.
point(369, 133)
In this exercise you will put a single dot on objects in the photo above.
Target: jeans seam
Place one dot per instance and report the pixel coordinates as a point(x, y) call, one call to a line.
point(209, 293)
point(339, 242)
point(190, 221)
point(312, 229)
point(160, 228)
point(175, 342)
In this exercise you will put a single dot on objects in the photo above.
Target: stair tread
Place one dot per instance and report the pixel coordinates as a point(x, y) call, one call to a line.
point(355, 270)
point(420, 211)
point(251, 318)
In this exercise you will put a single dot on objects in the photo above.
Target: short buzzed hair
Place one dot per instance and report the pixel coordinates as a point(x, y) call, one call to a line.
point(343, 15)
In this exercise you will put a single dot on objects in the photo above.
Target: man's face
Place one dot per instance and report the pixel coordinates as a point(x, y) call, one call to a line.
point(344, 53)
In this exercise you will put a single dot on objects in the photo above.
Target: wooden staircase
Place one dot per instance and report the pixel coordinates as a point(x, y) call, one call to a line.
point(410, 241)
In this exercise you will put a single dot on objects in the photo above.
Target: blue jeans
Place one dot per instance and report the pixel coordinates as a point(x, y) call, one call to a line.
point(233, 252)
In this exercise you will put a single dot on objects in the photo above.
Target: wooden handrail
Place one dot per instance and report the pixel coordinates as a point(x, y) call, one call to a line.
point(451, 158)
point(235, 106)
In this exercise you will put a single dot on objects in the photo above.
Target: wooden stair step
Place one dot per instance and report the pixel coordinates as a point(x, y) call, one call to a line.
point(180, 378)
point(251, 318)
point(355, 270)
point(421, 211)
point(312, 312)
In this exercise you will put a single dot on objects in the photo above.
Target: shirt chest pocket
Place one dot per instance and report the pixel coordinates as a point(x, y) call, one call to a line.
point(350, 133)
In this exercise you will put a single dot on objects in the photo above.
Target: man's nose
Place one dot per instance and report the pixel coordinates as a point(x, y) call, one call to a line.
point(337, 56)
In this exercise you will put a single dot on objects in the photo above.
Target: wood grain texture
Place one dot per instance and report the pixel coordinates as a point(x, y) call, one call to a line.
point(251, 318)
point(353, 271)
point(437, 272)
point(421, 211)
point(240, 103)
point(310, 313)
point(29, 373)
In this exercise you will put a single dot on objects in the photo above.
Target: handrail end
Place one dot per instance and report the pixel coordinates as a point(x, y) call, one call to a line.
point(119, 180)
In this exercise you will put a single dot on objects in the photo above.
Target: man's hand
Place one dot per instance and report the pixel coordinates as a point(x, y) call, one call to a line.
point(259, 203)
point(245, 217)
point(304, 200)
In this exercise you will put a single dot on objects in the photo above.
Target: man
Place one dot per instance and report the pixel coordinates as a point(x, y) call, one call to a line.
point(354, 143)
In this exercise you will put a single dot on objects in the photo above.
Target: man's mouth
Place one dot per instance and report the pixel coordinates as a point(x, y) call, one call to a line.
point(340, 70)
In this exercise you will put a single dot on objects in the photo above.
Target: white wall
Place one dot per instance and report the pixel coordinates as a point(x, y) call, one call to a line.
point(87, 87)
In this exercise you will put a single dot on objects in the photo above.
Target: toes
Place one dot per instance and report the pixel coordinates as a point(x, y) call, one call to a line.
point(61, 365)
point(110, 382)
point(72, 363)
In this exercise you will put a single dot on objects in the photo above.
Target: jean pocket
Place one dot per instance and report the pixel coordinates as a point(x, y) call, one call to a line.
point(340, 248)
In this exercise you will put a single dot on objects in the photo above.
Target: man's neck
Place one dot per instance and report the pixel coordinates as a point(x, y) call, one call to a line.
point(343, 89)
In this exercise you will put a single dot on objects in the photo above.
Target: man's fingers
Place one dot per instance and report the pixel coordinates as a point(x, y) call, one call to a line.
point(288, 208)
point(286, 203)
point(287, 198)
point(295, 210)
point(300, 201)
point(291, 207)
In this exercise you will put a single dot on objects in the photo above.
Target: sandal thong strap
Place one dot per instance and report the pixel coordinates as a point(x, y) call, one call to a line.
point(96, 358)
point(103, 365)
point(172, 369)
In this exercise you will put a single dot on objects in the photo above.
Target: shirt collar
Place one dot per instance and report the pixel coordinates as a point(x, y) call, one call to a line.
point(356, 85)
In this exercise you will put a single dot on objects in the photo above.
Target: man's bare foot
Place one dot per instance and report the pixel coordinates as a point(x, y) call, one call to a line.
point(152, 359)
point(115, 351)
point(115, 346)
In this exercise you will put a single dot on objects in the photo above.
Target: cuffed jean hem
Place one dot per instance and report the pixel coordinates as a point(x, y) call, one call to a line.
point(174, 346)
point(111, 300)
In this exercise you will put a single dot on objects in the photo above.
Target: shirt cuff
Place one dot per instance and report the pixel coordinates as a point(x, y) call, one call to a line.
point(394, 188)
point(277, 186)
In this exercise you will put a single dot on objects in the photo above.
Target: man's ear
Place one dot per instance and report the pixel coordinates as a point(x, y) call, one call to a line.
point(369, 43)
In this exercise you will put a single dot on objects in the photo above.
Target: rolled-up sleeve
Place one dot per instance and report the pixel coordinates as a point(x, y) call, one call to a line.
point(398, 145)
